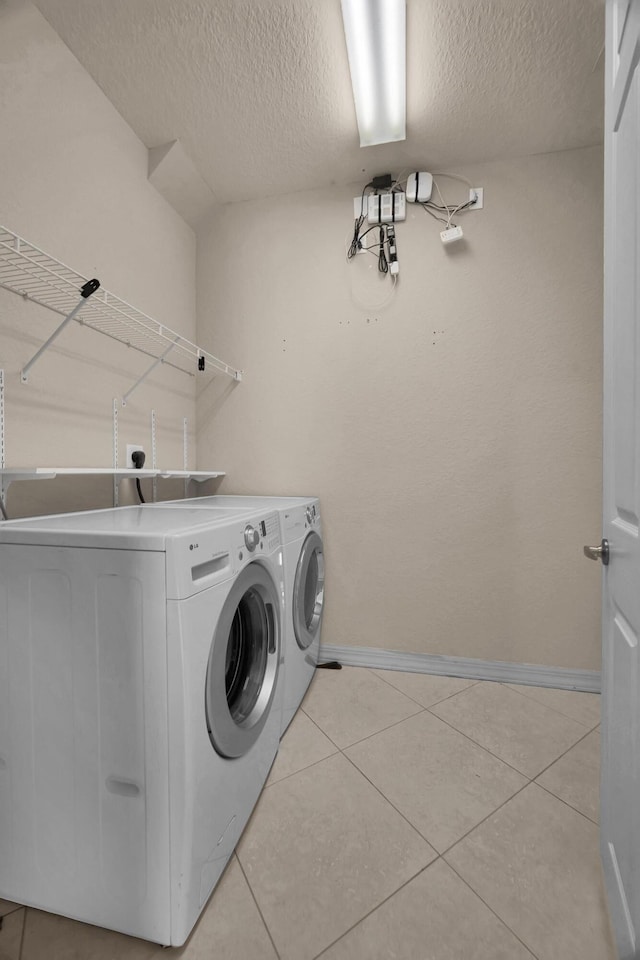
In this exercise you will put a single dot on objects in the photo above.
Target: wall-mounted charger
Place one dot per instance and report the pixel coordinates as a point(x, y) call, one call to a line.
point(419, 187)
point(386, 207)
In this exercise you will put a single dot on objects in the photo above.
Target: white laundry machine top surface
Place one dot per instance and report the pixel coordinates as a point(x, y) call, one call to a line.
point(298, 515)
point(125, 528)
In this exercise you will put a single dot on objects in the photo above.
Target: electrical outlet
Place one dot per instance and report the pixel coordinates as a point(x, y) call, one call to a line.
point(478, 193)
point(359, 207)
point(131, 448)
point(370, 241)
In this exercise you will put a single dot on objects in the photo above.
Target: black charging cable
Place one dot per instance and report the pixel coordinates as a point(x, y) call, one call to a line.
point(138, 459)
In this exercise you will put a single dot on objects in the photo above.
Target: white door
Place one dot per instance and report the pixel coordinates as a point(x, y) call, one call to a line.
point(620, 793)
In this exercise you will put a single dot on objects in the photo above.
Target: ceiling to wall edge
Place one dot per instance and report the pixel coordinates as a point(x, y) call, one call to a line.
point(176, 178)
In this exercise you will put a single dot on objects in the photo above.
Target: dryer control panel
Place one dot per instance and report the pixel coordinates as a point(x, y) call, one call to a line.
point(298, 519)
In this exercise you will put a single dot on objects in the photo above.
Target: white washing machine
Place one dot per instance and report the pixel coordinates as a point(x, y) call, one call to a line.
point(301, 531)
point(139, 708)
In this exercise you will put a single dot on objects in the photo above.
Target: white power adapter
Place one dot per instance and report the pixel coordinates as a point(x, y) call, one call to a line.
point(419, 187)
point(451, 235)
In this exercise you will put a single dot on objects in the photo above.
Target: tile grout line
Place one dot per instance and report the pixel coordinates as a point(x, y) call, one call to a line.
point(377, 907)
point(347, 746)
point(464, 837)
point(513, 795)
point(502, 760)
point(479, 746)
point(529, 780)
point(406, 883)
point(471, 829)
point(16, 906)
point(315, 763)
point(266, 926)
point(317, 725)
point(512, 686)
point(549, 765)
point(470, 683)
point(566, 802)
point(340, 751)
point(395, 689)
point(455, 729)
point(484, 819)
point(23, 933)
point(476, 744)
point(391, 804)
point(490, 908)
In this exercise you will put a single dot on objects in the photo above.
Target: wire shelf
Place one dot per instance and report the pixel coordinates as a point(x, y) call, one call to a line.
point(35, 275)
point(9, 475)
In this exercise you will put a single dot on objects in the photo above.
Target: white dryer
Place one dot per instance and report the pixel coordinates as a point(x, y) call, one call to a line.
point(301, 531)
point(139, 708)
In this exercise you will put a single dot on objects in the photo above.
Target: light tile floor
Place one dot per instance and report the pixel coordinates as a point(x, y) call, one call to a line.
point(408, 817)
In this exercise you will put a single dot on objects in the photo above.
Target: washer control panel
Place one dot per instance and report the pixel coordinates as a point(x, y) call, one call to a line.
point(262, 533)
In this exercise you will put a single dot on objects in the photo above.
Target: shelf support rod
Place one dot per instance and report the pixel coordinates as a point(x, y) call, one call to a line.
point(3, 492)
point(149, 371)
point(116, 496)
point(185, 453)
point(90, 287)
point(154, 458)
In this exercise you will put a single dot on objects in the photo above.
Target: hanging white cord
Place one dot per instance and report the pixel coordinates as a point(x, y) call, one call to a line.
point(399, 181)
point(360, 303)
point(375, 306)
point(451, 210)
point(454, 176)
point(443, 204)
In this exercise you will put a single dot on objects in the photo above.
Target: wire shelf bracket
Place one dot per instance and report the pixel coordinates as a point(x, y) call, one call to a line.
point(35, 275)
point(147, 372)
point(90, 287)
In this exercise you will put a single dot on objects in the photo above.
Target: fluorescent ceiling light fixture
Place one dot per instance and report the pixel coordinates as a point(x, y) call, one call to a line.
point(376, 43)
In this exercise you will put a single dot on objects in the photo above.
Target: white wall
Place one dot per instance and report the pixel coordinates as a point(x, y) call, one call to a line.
point(453, 436)
point(74, 182)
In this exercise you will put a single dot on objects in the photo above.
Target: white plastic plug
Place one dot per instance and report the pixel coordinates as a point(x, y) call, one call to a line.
point(451, 235)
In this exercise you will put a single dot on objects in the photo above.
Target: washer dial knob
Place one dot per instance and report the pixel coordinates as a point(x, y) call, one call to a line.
point(251, 538)
point(309, 516)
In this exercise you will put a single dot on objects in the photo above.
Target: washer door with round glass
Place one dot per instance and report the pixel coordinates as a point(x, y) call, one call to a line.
point(243, 663)
point(308, 592)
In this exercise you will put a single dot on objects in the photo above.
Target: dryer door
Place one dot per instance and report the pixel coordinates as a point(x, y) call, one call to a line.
point(308, 592)
point(243, 663)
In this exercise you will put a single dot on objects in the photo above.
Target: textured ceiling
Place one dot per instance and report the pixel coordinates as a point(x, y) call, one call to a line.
point(258, 92)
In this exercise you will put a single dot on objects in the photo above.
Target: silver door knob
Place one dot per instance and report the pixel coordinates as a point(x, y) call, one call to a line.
point(598, 553)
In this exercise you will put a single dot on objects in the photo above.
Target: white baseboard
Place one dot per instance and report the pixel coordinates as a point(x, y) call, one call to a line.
point(503, 671)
